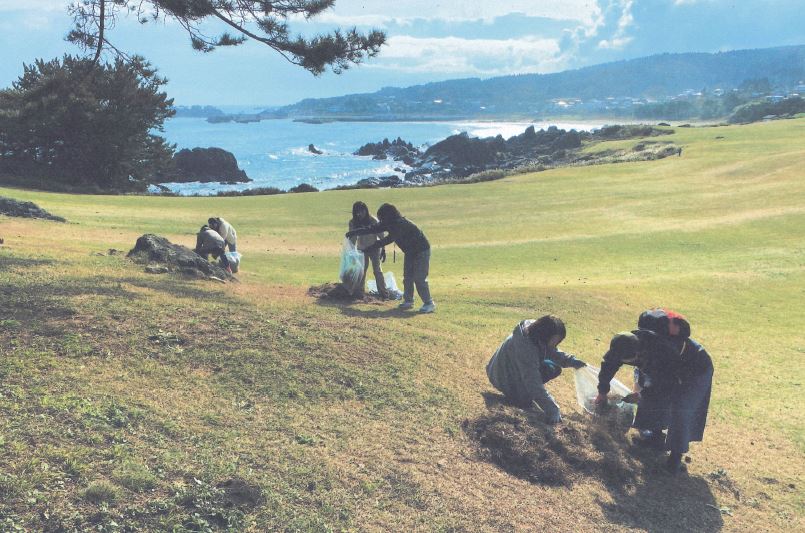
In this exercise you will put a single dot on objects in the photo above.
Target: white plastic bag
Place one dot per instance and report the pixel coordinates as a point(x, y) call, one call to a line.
point(351, 273)
point(587, 390)
point(391, 286)
point(234, 260)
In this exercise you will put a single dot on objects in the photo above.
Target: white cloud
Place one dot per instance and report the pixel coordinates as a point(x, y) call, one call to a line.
point(482, 57)
point(378, 12)
point(620, 38)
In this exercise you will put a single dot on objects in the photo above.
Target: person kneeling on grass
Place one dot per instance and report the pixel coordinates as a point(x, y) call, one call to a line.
point(528, 359)
point(209, 242)
point(413, 244)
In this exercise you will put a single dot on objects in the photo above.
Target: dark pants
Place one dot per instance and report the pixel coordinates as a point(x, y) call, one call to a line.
point(217, 253)
point(415, 272)
point(682, 410)
point(373, 257)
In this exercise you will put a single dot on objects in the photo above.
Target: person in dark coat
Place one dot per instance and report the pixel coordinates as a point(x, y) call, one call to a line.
point(413, 244)
point(209, 242)
point(528, 359)
point(676, 375)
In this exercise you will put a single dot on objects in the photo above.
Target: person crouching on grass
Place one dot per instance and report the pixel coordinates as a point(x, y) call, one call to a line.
point(209, 242)
point(528, 359)
point(413, 244)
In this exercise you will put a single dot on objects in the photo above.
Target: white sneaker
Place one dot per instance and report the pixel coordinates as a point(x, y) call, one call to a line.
point(428, 308)
point(406, 305)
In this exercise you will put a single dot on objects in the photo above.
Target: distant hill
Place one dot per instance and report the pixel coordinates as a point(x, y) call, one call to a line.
point(609, 88)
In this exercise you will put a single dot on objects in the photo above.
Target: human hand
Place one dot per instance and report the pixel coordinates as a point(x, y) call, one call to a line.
point(600, 400)
point(578, 363)
point(383, 255)
point(349, 234)
point(632, 398)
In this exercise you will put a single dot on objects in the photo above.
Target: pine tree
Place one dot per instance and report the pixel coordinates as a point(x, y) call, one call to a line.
point(264, 21)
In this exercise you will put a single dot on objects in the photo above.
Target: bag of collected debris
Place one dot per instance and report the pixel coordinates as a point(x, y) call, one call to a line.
point(351, 273)
point(391, 286)
point(234, 261)
point(587, 390)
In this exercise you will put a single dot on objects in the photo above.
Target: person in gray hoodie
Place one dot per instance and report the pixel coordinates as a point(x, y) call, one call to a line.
point(528, 359)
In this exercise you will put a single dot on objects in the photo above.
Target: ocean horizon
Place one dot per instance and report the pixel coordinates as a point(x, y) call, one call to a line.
point(274, 153)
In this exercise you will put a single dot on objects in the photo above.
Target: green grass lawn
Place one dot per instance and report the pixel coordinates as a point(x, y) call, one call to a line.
point(137, 402)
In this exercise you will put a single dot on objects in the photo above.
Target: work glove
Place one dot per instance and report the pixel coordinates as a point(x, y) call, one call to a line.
point(349, 234)
point(577, 363)
point(632, 398)
point(383, 255)
point(555, 418)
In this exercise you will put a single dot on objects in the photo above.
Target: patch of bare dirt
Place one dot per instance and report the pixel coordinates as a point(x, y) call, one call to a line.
point(523, 445)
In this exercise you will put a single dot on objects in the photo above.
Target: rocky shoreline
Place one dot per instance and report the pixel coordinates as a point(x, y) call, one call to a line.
point(461, 158)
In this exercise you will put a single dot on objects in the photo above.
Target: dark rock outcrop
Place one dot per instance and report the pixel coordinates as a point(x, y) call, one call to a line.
point(460, 156)
point(313, 150)
point(303, 187)
point(158, 252)
point(380, 181)
point(206, 165)
point(15, 208)
point(398, 150)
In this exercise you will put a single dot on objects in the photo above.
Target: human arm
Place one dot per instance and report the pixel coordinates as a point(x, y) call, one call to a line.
point(365, 230)
point(379, 244)
point(609, 367)
point(566, 360)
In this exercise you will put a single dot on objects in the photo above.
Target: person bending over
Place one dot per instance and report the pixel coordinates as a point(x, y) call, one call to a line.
point(226, 231)
point(528, 359)
point(209, 242)
point(675, 376)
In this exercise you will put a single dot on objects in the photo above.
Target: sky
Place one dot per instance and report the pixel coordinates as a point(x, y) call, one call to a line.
point(428, 40)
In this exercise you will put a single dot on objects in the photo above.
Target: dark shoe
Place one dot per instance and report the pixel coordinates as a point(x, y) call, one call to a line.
point(651, 439)
point(674, 463)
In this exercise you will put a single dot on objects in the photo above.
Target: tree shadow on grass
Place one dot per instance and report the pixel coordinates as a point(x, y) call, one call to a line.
point(183, 288)
point(10, 262)
point(583, 448)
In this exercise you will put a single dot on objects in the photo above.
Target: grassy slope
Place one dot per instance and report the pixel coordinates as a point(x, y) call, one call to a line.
point(154, 391)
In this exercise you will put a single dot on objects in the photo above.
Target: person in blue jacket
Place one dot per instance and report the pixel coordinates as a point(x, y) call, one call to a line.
point(528, 359)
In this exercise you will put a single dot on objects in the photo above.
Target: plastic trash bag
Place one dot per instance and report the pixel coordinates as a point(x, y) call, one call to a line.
point(234, 261)
point(587, 390)
point(351, 273)
point(391, 286)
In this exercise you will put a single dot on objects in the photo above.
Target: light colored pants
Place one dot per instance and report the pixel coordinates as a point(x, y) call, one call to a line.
point(374, 258)
point(415, 272)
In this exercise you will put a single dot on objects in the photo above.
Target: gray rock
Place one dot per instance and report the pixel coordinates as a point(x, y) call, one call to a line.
point(155, 251)
point(15, 208)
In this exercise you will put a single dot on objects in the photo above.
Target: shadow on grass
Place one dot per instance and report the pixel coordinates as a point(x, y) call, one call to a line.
point(8, 262)
point(183, 288)
point(642, 494)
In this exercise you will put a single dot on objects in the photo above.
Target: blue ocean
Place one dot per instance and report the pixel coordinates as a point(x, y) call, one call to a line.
point(274, 153)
